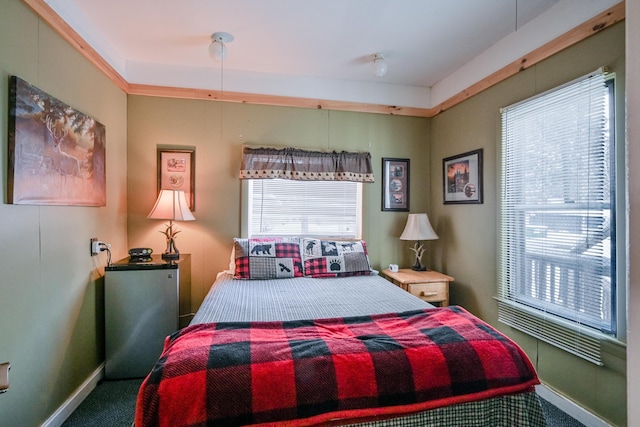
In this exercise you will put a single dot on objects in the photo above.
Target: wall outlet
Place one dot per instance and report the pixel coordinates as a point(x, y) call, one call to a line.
point(95, 249)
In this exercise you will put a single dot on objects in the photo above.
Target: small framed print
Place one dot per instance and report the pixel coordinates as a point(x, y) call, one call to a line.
point(395, 184)
point(463, 178)
point(176, 171)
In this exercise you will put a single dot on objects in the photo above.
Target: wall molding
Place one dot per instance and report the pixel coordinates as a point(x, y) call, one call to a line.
point(587, 29)
point(76, 398)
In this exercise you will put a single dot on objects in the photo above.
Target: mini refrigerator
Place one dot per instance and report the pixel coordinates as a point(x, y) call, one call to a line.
point(144, 303)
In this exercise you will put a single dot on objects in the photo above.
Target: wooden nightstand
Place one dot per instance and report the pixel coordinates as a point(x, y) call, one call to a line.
point(429, 285)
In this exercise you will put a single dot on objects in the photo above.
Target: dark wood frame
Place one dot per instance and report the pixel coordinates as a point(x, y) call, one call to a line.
point(178, 179)
point(395, 185)
point(470, 189)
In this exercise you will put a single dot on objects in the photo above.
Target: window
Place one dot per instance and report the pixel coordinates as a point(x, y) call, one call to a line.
point(314, 208)
point(557, 261)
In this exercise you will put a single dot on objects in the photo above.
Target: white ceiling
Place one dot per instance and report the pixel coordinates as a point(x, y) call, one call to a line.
point(322, 48)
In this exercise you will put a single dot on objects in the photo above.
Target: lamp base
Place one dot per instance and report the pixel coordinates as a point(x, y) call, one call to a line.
point(418, 268)
point(171, 256)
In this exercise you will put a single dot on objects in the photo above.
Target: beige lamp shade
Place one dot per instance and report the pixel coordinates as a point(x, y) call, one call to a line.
point(418, 228)
point(171, 204)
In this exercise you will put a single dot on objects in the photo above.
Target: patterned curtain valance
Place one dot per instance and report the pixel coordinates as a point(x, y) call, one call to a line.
point(292, 163)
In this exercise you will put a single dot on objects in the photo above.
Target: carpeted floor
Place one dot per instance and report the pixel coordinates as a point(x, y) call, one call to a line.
point(112, 404)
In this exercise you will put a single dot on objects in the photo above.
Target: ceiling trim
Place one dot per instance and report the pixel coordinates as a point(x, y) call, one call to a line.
point(594, 25)
point(276, 100)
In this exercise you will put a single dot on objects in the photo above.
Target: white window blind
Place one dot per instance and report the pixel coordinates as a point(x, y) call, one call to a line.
point(279, 207)
point(557, 230)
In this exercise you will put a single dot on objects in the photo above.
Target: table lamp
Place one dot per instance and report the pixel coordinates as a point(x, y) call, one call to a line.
point(418, 228)
point(171, 205)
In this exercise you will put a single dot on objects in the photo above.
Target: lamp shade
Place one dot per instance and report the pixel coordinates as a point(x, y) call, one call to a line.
point(171, 204)
point(418, 228)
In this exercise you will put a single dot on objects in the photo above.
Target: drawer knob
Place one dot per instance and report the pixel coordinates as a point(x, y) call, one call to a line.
point(428, 294)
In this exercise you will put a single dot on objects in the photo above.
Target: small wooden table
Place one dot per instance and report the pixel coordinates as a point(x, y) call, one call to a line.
point(429, 285)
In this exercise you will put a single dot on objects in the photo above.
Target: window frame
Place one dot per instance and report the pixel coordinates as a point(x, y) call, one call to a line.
point(510, 308)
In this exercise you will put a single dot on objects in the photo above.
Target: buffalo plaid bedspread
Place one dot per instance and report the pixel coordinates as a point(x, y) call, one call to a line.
point(315, 371)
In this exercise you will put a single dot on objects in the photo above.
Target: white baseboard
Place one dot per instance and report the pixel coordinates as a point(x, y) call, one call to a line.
point(570, 407)
point(72, 403)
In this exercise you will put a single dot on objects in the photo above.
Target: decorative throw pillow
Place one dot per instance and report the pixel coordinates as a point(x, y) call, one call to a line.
point(335, 258)
point(267, 258)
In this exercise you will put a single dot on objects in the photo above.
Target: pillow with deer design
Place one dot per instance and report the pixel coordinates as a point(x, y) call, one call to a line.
point(267, 258)
point(335, 258)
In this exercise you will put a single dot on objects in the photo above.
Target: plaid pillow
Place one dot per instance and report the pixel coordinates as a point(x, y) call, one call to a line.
point(335, 258)
point(267, 258)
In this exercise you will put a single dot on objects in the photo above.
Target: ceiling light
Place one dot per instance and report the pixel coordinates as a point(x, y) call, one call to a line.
point(379, 65)
point(218, 48)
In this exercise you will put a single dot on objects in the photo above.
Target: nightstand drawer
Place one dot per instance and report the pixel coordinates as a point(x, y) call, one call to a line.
point(432, 292)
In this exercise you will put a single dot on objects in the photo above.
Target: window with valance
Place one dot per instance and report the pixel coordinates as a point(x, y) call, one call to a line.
point(299, 192)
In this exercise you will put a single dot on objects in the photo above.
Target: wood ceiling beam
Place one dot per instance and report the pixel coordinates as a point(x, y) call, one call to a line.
point(596, 24)
point(276, 100)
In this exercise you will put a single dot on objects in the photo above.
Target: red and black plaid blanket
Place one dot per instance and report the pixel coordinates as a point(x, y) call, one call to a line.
point(314, 371)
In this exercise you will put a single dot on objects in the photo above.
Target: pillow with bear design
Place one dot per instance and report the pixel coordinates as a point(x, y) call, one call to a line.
point(335, 258)
point(267, 258)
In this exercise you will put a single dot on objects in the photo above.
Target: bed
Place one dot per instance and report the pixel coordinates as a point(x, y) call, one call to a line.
point(336, 349)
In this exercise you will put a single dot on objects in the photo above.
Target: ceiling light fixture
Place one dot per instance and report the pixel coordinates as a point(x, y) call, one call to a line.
point(379, 65)
point(218, 48)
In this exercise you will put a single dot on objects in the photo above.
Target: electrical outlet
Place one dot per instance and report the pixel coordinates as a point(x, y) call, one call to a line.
point(95, 249)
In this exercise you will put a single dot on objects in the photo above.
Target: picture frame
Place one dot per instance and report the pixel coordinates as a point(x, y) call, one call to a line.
point(395, 184)
point(56, 154)
point(176, 171)
point(462, 178)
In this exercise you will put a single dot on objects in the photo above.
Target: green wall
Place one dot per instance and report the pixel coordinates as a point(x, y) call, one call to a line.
point(217, 131)
point(51, 305)
point(467, 248)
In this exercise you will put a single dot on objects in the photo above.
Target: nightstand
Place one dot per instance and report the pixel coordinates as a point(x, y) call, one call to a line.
point(429, 285)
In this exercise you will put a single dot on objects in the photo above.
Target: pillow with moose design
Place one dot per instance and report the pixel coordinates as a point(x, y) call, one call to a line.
point(335, 258)
point(267, 258)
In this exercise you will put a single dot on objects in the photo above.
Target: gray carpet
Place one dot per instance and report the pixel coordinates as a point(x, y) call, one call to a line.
point(113, 403)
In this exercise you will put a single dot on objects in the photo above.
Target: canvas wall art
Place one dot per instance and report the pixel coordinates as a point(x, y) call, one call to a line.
point(56, 153)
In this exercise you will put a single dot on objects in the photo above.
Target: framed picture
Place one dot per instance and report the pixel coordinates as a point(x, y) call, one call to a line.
point(462, 178)
point(395, 184)
point(176, 171)
point(56, 153)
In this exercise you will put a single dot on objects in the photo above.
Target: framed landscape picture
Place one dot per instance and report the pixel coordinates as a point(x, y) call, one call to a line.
point(395, 184)
point(56, 153)
point(462, 178)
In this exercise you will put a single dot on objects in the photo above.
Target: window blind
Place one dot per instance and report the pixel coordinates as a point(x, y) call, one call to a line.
point(279, 207)
point(557, 230)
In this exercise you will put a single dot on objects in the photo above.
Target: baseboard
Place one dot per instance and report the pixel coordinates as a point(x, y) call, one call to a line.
point(72, 403)
point(571, 408)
